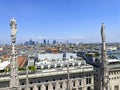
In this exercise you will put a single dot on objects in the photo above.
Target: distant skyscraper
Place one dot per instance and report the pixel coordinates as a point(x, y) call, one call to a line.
point(26, 43)
point(54, 42)
point(48, 42)
point(31, 42)
point(44, 41)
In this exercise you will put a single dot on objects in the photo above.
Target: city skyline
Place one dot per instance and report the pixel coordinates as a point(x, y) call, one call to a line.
point(73, 20)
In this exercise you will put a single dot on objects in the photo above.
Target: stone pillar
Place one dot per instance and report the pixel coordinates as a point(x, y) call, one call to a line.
point(14, 80)
point(50, 87)
point(76, 84)
point(49, 66)
point(57, 86)
point(73, 64)
point(55, 65)
point(43, 87)
point(64, 85)
point(35, 88)
point(19, 88)
point(42, 67)
point(61, 65)
point(83, 83)
point(71, 84)
point(92, 79)
point(79, 63)
point(28, 88)
point(92, 82)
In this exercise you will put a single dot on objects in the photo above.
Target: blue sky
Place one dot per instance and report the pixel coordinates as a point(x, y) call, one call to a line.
point(74, 20)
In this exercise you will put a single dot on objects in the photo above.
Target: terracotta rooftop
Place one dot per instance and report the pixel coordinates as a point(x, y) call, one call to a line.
point(21, 61)
point(6, 56)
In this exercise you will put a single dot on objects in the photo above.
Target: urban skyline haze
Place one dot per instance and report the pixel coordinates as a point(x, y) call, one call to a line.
point(73, 20)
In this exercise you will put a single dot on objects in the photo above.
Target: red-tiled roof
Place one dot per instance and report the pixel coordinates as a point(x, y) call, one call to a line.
point(21, 61)
point(6, 56)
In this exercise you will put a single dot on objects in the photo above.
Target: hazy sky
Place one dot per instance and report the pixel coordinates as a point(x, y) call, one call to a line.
point(75, 20)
